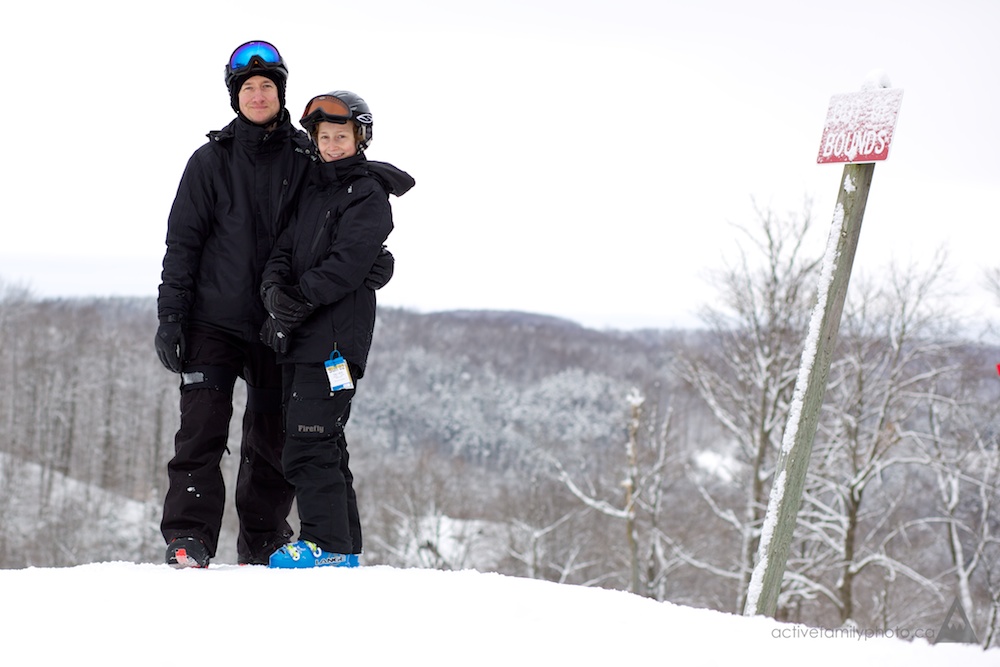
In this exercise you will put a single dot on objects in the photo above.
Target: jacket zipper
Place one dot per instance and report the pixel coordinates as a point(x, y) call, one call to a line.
point(322, 229)
point(281, 200)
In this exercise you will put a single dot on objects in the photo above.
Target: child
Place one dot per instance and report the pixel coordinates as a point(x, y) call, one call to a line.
point(322, 316)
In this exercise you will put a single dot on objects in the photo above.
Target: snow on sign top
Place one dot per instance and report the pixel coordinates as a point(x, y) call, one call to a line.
point(859, 126)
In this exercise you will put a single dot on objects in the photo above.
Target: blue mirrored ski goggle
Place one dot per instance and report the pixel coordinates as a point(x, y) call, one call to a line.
point(263, 53)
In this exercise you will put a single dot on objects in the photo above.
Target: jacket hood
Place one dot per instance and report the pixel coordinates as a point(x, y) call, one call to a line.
point(394, 180)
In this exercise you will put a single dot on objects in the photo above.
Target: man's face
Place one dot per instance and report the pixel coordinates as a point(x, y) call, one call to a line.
point(259, 99)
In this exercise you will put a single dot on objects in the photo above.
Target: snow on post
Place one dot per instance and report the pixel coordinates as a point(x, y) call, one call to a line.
point(824, 324)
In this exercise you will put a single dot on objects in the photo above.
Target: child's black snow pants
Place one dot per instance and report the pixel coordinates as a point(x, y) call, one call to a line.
point(315, 459)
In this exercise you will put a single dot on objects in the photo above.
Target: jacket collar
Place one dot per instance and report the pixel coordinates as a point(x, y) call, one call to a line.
point(255, 137)
point(393, 180)
point(332, 173)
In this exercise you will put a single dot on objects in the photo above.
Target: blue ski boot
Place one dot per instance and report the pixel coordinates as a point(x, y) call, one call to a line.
point(304, 554)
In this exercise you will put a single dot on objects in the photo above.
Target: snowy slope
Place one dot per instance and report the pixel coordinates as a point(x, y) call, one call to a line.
point(143, 614)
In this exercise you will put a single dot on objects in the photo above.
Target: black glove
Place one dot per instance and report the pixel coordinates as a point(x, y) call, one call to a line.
point(275, 335)
point(286, 304)
point(170, 343)
point(381, 271)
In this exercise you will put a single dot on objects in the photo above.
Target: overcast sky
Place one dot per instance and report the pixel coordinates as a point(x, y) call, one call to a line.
point(585, 159)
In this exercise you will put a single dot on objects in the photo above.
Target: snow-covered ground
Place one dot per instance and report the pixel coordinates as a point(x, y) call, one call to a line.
point(131, 614)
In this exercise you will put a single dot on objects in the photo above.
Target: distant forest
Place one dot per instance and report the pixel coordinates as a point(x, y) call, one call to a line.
point(534, 447)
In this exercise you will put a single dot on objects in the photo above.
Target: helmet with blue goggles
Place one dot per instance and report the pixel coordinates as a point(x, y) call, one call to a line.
point(253, 58)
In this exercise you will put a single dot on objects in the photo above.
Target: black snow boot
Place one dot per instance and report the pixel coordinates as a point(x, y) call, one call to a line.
point(187, 552)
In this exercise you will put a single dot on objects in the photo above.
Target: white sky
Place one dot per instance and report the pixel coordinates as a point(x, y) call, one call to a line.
point(584, 159)
point(119, 613)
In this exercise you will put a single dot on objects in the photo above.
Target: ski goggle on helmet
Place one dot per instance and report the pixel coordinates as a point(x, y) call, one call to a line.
point(339, 107)
point(255, 55)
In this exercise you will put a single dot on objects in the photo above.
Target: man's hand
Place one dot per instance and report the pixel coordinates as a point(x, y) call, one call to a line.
point(170, 343)
point(381, 271)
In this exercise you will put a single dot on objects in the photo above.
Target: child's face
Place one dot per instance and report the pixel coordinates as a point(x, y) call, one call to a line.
point(336, 140)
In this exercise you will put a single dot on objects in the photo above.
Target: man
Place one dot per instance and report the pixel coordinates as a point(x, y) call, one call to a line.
point(236, 195)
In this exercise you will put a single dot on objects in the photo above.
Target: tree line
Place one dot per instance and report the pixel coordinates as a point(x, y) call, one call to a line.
point(531, 446)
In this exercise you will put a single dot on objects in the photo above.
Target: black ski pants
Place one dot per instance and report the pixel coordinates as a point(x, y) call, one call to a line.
point(315, 459)
point(196, 490)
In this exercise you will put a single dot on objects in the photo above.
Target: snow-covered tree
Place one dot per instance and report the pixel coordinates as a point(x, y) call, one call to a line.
point(747, 372)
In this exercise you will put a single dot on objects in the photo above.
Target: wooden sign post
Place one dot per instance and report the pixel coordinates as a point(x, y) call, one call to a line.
point(858, 132)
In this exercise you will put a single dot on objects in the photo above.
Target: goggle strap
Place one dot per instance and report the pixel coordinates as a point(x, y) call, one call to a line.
point(319, 116)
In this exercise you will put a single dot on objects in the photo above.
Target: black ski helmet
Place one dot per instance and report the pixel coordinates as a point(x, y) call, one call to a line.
point(252, 59)
point(339, 106)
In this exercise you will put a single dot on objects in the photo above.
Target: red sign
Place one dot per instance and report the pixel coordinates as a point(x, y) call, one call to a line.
point(859, 126)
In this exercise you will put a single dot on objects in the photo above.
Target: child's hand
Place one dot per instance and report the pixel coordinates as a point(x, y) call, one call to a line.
point(287, 304)
point(275, 335)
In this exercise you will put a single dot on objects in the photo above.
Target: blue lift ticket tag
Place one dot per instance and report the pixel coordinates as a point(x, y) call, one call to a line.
point(338, 372)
